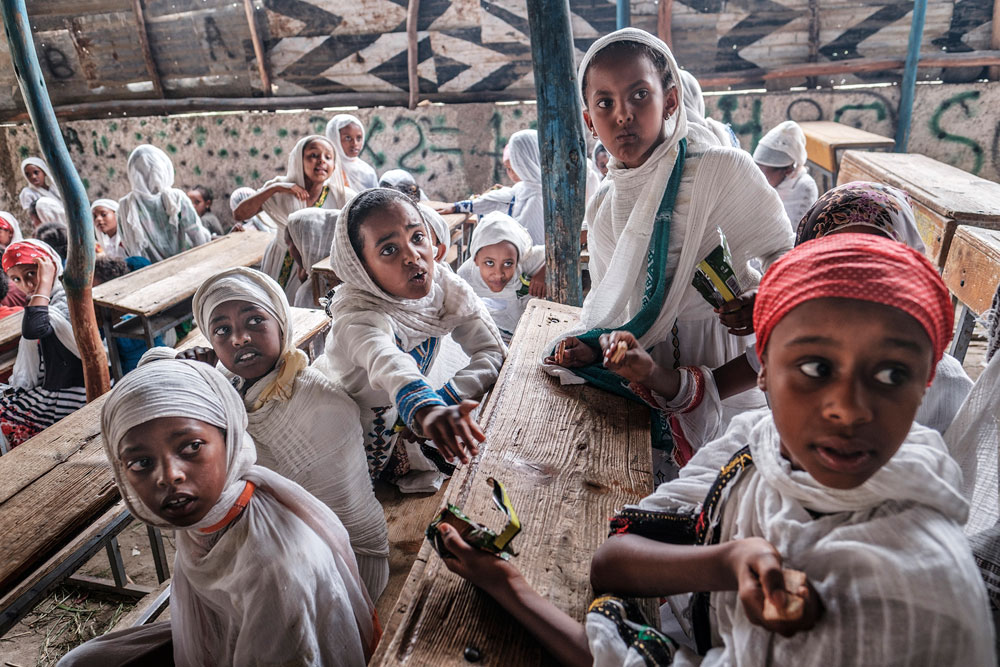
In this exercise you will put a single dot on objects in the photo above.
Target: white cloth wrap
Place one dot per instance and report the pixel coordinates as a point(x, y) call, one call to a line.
point(706, 130)
point(526, 162)
point(359, 174)
point(27, 371)
point(281, 584)
point(783, 146)
point(155, 219)
point(15, 224)
point(111, 245)
point(31, 193)
point(396, 177)
point(797, 192)
point(311, 230)
point(49, 209)
point(437, 224)
point(261, 221)
point(889, 559)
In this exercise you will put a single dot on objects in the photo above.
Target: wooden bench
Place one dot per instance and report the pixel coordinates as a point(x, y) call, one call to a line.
point(10, 335)
point(972, 273)
point(570, 457)
point(323, 278)
point(158, 297)
point(943, 196)
point(826, 140)
point(310, 327)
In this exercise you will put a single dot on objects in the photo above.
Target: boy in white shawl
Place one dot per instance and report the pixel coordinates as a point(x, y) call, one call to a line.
point(504, 269)
point(157, 220)
point(389, 316)
point(264, 572)
point(826, 534)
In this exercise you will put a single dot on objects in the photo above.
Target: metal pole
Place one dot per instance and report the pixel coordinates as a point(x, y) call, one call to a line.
point(80, 262)
point(560, 141)
point(908, 88)
point(623, 14)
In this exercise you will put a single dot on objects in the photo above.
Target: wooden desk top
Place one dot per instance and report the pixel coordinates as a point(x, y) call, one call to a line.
point(570, 457)
point(323, 267)
point(306, 323)
point(10, 327)
point(154, 288)
point(824, 138)
point(972, 270)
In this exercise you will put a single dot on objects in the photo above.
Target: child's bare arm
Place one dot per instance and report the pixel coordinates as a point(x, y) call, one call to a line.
point(537, 287)
point(561, 636)
point(623, 355)
point(734, 377)
point(253, 204)
point(452, 429)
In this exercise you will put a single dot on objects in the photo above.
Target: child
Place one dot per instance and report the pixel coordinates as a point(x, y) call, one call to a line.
point(653, 220)
point(600, 159)
point(305, 428)
point(698, 122)
point(837, 483)
point(260, 222)
point(55, 235)
point(498, 198)
point(310, 233)
point(395, 305)
point(264, 573)
point(155, 219)
point(47, 381)
point(6, 311)
point(105, 212)
point(781, 156)
point(201, 197)
point(525, 162)
point(40, 182)
point(312, 179)
point(347, 135)
point(439, 230)
point(504, 269)
point(10, 229)
point(48, 210)
point(402, 180)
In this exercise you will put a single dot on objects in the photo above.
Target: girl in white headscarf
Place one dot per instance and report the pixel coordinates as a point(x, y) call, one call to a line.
point(264, 572)
point(698, 122)
point(383, 343)
point(40, 182)
point(157, 220)
point(10, 229)
point(781, 155)
point(260, 222)
point(105, 212)
point(498, 198)
point(305, 428)
point(47, 382)
point(347, 135)
point(49, 210)
point(525, 161)
point(312, 179)
point(653, 220)
point(502, 268)
point(311, 233)
point(402, 180)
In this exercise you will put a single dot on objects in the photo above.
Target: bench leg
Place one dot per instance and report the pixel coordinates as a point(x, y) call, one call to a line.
point(116, 363)
point(159, 554)
point(960, 344)
point(115, 560)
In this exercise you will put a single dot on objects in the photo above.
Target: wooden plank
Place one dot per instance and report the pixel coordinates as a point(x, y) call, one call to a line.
point(155, 288)
point(306, 323)
point(323, 268)
point(824, 138)
point(570, 457)
point(10, 328)
point(972, 271)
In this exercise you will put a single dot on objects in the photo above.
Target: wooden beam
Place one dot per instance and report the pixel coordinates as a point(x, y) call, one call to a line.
point(412, 52)
point(147, 52)
point(664, 17)
point(994, 73)
point(561, 144)
point(258, 47)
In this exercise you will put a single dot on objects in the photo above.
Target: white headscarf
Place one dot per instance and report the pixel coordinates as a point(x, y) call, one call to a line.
point(450, 303)
point(110, 244)
point(31, 193)
point(360, 175)
point(526, 162)
point(783, 146)
point(311, 230)
point(698, 122)
point(396, 177)
point(15, 226)
point(225, 591)
point(282, 205)
point(27, 372)
point(50, 210)
point(261, 221)
point(437, 224)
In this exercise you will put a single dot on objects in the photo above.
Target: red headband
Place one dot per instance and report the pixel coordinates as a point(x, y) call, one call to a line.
point(21, 253)
point(864, 267)
point(6, 224)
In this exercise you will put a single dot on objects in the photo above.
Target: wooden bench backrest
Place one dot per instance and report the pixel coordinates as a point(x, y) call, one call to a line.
point(972, 270)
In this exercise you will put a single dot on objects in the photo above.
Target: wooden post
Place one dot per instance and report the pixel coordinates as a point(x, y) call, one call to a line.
point(994, 72)
point(664, 17)
point(623, 14)
point(412, 52)
point(79, 272)
point(258, 47)
point(147, 52)
point(908, 88)
point(560, 140)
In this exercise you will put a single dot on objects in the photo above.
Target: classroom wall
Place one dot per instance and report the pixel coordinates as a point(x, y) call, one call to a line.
point(455, 150)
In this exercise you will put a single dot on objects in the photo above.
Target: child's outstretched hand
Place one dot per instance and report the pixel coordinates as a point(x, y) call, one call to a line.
point(452, 429)
point(537, 286)
point(757, 567)
point(482, 569)
point(572, 353)
point(447, 209)
point(205, 354)
point(737, 314)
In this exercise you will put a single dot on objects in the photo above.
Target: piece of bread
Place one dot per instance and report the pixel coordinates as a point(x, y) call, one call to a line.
point(620, 350)
point(795, 581)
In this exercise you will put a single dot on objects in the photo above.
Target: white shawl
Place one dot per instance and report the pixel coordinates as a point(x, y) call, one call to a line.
point(111, 245)
point(50, 210)
point(29, 194)
point(280, 584)
point(797, 192)
point(359, 174)
point(526, 162)
point(888, 559)
point(27, 372)
point(261, 221)
point(708, 130)
point(311, 230)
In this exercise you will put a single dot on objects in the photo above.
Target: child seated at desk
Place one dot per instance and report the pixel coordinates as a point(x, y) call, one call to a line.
point(47, 210)
point(264, 573)
point(389, 316)
point(105, 212)
point(837, 483)
point(56, 235)
point(47, 381)
point(781, 156)
point(402, 180)
point(202, 198)
point(259, 222)
point(309, 234)
point(40, 182)
point(504, 269)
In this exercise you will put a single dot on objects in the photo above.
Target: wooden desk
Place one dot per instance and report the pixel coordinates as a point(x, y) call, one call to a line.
point(825, 140)
point(158, 296)
point(10, 334)
point(310, 327)
point(323, 278)
point(943, 196)
point(972, 273)
point(570, 456)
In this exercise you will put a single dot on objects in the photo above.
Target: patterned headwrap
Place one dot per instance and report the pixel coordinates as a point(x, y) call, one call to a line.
point(861, 267)
point(26, 252)
point(860, 203)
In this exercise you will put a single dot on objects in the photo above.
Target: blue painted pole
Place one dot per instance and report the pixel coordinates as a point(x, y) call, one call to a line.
point(908, 89)
point(560, 141)
point(79, 271)
point(623, 14)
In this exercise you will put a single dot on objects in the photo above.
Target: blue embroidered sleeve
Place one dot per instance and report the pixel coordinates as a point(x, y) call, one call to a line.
point(418, 394)
point(464, 206)
point(449, 394)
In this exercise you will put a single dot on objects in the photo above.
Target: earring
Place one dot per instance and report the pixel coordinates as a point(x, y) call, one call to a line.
point(595, 134)
point(666, 116)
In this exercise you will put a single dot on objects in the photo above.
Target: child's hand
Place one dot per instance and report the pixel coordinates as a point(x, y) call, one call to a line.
point(238, 227)
point(757, 567)
point(452, 429)
point(205, 354)
point(738, 314)
point(482, 569)
point(46, 273)
point(300, 192)
point(572, 353)
point(447, 209)
point(302, 273)
point(623, 355)
point(537, 286)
